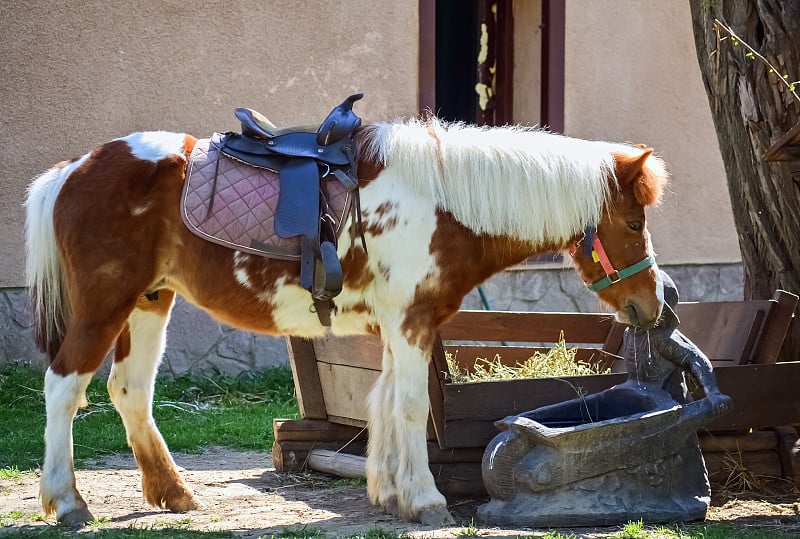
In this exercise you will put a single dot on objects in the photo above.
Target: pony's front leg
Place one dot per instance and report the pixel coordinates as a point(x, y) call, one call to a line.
point(382, 443)
point(57, 491)
point(398, 454)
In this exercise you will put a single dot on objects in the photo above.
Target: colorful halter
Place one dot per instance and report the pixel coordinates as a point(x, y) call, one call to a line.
point(594, 248)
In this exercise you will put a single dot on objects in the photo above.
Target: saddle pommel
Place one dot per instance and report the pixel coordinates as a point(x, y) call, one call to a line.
point(340, 123)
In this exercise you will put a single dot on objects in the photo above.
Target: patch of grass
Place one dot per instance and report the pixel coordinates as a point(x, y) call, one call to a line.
point(377, 533)
point(59, 532)
point(321, 481)
point(297, 533)
point(191, 412)
point(312, 533)
point(715, 530)
point(633, 530)
point(98, 522)
point(13, 473)
point(341, 482)
point(470, 531)
point(8, 519)
point(180, 524)
point(725, 530)
point(557, 535)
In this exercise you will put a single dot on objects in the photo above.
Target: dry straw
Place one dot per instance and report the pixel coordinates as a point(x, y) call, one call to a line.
point(557, 361)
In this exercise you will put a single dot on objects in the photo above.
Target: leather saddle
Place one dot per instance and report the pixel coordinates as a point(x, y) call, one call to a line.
point(306, 158)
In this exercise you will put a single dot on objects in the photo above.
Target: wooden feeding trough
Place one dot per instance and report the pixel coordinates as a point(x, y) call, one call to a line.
point(743, 339)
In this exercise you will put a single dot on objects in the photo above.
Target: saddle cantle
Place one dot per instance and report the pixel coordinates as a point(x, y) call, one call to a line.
point(280, 193)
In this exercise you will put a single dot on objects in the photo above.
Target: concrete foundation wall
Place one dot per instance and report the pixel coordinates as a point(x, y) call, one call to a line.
point(198, 344)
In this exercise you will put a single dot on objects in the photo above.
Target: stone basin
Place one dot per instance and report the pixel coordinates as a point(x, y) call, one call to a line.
point(623, 454)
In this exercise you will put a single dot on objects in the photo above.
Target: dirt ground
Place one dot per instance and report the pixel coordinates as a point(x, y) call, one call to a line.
point(241, 492)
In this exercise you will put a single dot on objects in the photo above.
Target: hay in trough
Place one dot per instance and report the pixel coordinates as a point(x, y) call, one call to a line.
point(557, 361)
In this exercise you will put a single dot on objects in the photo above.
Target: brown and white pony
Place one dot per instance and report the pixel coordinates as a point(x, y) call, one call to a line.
point(444, 206)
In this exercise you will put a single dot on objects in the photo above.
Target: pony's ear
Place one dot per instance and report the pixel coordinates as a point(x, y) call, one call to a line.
point(646, 170)
point(630, 166)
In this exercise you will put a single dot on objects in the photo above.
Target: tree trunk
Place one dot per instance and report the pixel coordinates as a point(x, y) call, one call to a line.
point(752, 109)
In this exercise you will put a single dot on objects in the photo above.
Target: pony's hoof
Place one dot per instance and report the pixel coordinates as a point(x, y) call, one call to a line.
point(183, 504)
point(436, 517)
point(76, 518)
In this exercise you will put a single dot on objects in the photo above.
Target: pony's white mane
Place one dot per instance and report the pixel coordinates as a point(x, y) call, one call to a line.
point(513, 181)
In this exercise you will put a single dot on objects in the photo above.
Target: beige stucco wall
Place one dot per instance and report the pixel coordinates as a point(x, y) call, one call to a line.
point(632, 75)
point(75, 74)
point(527, 61)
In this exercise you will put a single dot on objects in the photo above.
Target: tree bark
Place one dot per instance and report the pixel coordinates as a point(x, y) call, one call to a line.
point(752, 109)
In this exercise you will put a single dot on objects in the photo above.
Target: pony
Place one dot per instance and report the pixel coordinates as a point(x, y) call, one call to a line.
point(443, 207)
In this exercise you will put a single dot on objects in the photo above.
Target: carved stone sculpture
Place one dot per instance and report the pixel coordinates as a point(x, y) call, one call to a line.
point(622, 454)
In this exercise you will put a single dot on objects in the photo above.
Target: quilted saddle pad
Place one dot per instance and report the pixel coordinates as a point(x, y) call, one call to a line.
point(239, 210)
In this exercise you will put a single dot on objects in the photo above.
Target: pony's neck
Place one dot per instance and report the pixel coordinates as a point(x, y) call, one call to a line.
point(482, 255)
point(530, 185)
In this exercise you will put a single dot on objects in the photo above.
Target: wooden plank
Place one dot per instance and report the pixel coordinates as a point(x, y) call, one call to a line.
point(303, 361)
point(310, 430)
point(723, 330)
point(436, 381)
point(459, 480)
point(732, 332)
point(494, 400)
point(720, 465)
point(613, 342)
point(342, 420)
point(345, 389)
point(364, 351)
point(757, 440)
point(763, 396)
point(527, 327)
point(780, 317)
point(437, 455)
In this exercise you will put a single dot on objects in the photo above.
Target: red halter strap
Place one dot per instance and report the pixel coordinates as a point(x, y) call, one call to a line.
point(599, 255)
point(593, 247)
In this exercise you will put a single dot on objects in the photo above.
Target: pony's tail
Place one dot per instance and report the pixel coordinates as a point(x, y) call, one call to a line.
point(43, 267)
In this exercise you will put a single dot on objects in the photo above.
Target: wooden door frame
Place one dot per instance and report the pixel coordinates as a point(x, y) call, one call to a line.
point(552, 76)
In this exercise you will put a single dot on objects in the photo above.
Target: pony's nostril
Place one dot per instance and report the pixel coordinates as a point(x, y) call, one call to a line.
point(632, 314)
point(640, 317)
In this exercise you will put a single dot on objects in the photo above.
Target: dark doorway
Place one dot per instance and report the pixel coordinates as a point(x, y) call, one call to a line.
point(457, 36)
point(462, 63)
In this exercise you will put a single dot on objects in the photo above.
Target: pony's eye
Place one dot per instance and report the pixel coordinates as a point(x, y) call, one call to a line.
point(636, 226)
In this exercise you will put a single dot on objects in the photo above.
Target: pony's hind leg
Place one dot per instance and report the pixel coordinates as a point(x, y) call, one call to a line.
point(130, 385)
point(58, 493)
point(87, 340)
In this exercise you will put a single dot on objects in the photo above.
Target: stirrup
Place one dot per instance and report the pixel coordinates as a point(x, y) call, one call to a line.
point(328, 278)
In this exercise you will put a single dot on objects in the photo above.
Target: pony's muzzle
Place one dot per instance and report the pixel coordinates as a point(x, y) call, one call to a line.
point(640, 314)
